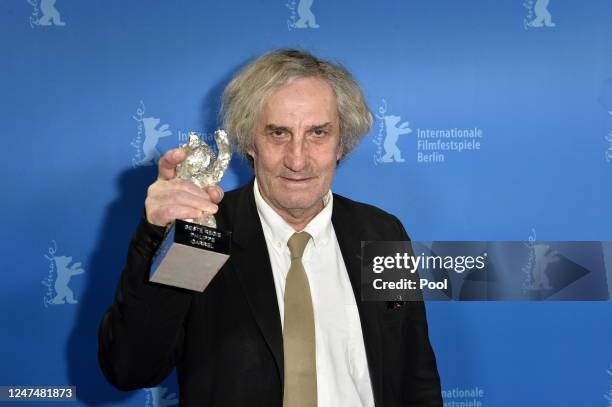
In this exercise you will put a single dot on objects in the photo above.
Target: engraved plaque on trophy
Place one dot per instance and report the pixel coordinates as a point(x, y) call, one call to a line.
point(194, 250)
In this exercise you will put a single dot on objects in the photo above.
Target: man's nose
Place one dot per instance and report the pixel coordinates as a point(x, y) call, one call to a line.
point(296, 153)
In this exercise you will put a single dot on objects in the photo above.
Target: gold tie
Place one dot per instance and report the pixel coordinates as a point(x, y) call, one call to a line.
point(299, 331)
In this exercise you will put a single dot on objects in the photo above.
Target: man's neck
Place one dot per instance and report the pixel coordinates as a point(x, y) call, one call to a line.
point(296, 218)
point(299, 218)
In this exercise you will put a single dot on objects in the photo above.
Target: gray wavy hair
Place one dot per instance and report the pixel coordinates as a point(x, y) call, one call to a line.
point(244, 96)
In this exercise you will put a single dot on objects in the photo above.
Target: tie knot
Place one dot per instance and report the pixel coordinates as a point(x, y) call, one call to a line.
point(297, 243)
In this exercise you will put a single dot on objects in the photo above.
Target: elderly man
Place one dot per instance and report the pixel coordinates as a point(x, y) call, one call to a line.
point(282, 323)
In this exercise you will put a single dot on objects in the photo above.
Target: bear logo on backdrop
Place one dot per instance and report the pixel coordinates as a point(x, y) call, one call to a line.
point(543, 256)
point(547, 271)
point(608, 138)
point(390, 129)
point(301, 15)
point(61, 271)
point(608, 395)
point(45, 14)
point(538, 14)
point(149, 133)
point(605, 100)
point(433, 145)
point(536, 270)
point(157, 397)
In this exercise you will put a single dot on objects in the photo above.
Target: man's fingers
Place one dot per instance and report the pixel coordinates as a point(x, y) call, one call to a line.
point(187, 186)
point(184, 198)
point(170, 199)
point(165, 191)
point(169, 161)
point(180, 212)
point(212, 193)
point(215, 193)
point(164, 215)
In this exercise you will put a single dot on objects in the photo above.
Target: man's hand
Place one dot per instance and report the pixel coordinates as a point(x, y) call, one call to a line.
point(170, 198)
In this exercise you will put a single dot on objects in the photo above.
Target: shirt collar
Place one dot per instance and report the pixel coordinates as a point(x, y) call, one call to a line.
point(319, 227)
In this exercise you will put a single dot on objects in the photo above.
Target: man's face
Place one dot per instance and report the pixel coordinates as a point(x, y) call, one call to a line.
point(297, 145)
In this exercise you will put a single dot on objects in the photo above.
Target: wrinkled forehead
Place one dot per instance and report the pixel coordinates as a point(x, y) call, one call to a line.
point(309, 101)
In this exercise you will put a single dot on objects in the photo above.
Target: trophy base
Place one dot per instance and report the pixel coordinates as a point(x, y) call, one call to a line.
point(190, 256)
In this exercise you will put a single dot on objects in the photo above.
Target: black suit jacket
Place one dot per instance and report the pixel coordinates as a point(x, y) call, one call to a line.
point(226, 342)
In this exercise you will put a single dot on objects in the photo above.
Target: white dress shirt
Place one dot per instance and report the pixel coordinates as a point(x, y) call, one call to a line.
point(343, 378)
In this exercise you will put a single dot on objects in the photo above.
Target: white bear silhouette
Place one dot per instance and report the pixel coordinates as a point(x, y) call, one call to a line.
point(543, 258)
point(543, 17)
point(393, 131)
point(152, 136)
point(307, 18)
point(50, 14)
point(64, 273)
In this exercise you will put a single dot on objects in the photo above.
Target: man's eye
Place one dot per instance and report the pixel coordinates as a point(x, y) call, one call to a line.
point(277, 133)
point(320, 132)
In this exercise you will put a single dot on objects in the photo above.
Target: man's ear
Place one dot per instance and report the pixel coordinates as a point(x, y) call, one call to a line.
point(250, 155)
point(251, 152)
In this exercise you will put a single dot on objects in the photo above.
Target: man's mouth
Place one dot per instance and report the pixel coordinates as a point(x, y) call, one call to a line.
point(296, 180)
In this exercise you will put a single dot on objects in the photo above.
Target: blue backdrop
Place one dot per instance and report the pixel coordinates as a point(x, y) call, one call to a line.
point(91, 91)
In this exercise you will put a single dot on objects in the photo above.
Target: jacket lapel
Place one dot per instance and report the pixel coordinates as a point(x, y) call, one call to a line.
point(350, 234)
point(250, 258)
